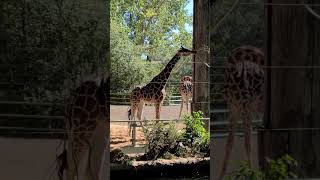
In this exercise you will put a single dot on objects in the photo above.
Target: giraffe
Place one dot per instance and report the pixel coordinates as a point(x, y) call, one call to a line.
point(154, 91)
point(86, 123)
point(185, 89)
point(244, 80)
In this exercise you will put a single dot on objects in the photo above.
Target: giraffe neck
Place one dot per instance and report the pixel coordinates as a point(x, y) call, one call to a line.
point(162, 78)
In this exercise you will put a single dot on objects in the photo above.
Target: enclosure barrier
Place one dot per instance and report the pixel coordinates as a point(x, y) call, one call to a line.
point(134, 125)
point(124, 99)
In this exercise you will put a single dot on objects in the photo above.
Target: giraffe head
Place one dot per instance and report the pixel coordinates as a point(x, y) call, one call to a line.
point(185, 52)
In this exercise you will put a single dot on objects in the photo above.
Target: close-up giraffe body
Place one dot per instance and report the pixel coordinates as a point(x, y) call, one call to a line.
point(243, 86)
point(85, 117)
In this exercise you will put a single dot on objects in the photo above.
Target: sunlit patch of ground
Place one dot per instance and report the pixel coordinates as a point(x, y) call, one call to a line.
point(119, 136)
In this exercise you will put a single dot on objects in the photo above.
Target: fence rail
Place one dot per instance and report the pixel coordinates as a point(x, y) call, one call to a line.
point(24, 117)
point(30, 103)
point(134, 125)
point(28, 116)
point(124, 99)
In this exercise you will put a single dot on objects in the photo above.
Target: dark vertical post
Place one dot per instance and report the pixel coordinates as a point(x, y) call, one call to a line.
point(267, 51)
point(200, 100)
point(292, 87)
point(211, 55)
point(106, 25)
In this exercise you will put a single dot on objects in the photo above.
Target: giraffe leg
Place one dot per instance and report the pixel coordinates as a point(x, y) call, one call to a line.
point(85, 172)
point(72, 170)
point(140, 112)
point(187, 104)
point(97, 155)
point(229, 145)
point(158, 109)
point(247, 134)
point(133, 114)
point(181, 107)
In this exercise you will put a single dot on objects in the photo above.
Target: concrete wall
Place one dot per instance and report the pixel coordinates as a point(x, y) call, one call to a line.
point(238, 154)
point(33, 159)
point(27, 159)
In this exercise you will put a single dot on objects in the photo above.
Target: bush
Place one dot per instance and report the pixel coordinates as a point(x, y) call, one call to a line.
point(195, 134)
point(276, 170)
point(165, 141)
point(117, 156)
point(244, 172)
point(280, 169)
point(162, 139)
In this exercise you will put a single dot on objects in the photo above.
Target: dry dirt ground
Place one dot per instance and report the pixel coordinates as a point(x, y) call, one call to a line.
point(119, 130)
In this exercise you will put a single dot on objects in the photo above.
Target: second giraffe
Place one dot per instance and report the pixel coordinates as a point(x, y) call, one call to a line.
point(185, 89)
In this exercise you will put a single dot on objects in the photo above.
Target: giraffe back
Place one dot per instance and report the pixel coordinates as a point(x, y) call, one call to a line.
point(186, 86)
point(135, 95)
point(244, 76)
point(84, 108)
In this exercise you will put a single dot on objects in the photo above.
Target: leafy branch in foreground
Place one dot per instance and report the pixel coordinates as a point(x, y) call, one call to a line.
point(279, 169)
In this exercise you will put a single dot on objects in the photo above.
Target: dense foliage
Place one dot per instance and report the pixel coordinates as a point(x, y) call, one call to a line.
point(118, 157)
point(162, 140)
point(52, 45)
point(241, 25)
point(278, 169)
point(195, 134)
point(165, 141)
point(152, 31)
point(47, 48)
point(144, 37)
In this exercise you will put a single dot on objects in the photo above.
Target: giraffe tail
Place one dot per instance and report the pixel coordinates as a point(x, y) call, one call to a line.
point(129, 113)
point(129, 123)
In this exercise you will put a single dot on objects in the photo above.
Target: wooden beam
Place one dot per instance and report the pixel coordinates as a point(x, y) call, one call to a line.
point(200, 69)
point(293, 94)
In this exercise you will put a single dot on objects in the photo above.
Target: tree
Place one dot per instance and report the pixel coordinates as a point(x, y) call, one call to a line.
point(242, 26)
point(141, 29)
point(127, 68)
point(154, 25)
point(49, 47)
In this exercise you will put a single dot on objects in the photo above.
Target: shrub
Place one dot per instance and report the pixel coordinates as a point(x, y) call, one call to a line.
point(278, 169)
point(244, 172)
point(117, 156)
point(195, 135)
point(165, 141)
point(162, 139)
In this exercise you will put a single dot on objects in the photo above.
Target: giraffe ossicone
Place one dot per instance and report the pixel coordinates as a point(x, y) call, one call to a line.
point(154, 91)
